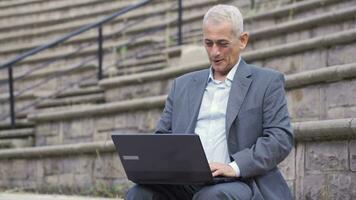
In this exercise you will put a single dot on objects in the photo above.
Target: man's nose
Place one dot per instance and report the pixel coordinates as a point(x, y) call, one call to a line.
point(215, 50)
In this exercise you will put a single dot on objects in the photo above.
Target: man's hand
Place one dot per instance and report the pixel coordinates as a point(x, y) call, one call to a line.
point(219, 169)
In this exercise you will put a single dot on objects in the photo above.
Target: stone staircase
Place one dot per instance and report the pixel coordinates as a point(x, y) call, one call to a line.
point(311, 41)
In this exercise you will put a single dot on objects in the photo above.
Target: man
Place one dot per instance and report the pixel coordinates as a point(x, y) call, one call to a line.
point(240, 113)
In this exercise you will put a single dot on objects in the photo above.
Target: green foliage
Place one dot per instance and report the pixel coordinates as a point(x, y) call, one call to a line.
point(115, 191)
point(122, 51)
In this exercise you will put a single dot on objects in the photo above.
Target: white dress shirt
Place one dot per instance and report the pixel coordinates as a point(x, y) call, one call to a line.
point(211, 119)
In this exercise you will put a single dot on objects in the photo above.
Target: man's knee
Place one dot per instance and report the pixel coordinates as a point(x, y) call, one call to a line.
point(224, 192)
point(140, 192)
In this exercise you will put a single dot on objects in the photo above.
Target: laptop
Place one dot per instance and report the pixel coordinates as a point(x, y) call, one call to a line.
point(165, 159)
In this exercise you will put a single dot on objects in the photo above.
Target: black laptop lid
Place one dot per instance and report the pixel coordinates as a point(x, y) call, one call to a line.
point(163, 158)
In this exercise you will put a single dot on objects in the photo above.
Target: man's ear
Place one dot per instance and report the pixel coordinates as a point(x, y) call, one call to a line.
point(243, 40)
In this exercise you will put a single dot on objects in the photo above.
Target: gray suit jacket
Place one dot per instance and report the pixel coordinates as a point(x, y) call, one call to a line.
point(258, 129)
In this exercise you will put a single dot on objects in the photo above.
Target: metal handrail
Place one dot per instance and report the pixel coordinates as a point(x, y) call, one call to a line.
point(72, 34)
point(9, 64)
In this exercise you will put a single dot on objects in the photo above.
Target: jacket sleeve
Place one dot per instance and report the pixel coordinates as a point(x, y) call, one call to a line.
point(276, 141)
point(164, 124)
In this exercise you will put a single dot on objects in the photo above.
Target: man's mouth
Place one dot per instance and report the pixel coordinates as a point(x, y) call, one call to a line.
point(218, 61)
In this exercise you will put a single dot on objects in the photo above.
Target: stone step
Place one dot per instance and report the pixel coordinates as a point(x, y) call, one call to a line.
point(286, 32)
point(23, 123)
point(309, 27)
point(16, 138)
point(18, 3)
point(49, 78)
point(58, 18)
point(58, 30)
point(83, 165)
point(333, 49)
point(87, 52)
point(21, 101)
point(94, 34)
point(141, 68)
point(40, 11)
point(86, 173)
point(80, 91)
point(329, 40)
point(36, 196)
point(144, 61)
point(297, 10)
point(17, 133)
point(141, 114)
point(72, 100)
point(88, 83)
point(294, 30)
point(325, 74)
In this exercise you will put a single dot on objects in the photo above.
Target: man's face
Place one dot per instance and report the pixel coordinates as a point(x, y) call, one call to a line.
point(223, 47)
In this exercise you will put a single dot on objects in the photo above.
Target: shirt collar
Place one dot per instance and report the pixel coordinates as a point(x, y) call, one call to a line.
point(230, 75)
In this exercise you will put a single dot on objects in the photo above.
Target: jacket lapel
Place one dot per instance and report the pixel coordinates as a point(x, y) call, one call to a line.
point(239, 88)
point(195, 96)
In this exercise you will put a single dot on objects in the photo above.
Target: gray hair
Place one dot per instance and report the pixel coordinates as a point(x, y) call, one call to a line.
point(226, 13)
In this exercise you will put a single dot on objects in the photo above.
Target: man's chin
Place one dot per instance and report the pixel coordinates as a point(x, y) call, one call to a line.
point(219, 67)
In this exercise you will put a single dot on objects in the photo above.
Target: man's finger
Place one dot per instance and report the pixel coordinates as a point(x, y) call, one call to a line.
point(218, 172)
point(213, 167)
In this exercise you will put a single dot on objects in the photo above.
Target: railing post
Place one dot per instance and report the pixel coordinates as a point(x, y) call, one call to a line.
point(100, 53)
point(180, 23)
point(12, 99)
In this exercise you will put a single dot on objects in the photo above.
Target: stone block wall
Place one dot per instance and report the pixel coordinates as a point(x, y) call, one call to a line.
point(95, 128)
point(77, 174)
point(323, 101)
point(314, 170)
point(325, 170)
point(138, 90)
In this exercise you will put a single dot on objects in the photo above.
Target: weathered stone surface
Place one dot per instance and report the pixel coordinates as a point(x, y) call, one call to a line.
point(53, 140)
point(40, 141)
point(305, 103)
point(326, 156)
point(315, 187)
point(352, 146)
point(75, 165)
point(350, 112)
point(341, 94)
point(288, 166)
point(103, 135)
point(291, 186)
point(148, 120)
point(300, 167)
point(298, 36)
point(323, 29)
point(5, 171)
point(79, 128)
point(52, 166)
point(83, 181)
point(267, 42)
point(298, 62)
point(192, 54)
point(48, 129)
point(66, 180)
point(104, 123)
point(314, 59)
point(108, 166)
point(342, 186)
point(51, 180)
point(341, 54)
point(135, 91)
point(19, 170)
point(286, 64)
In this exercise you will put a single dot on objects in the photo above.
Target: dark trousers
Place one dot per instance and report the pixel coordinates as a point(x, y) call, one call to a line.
point(223, 191)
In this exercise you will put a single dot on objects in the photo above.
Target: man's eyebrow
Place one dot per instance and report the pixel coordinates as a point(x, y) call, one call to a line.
point(218, 41)
point(223, 40)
